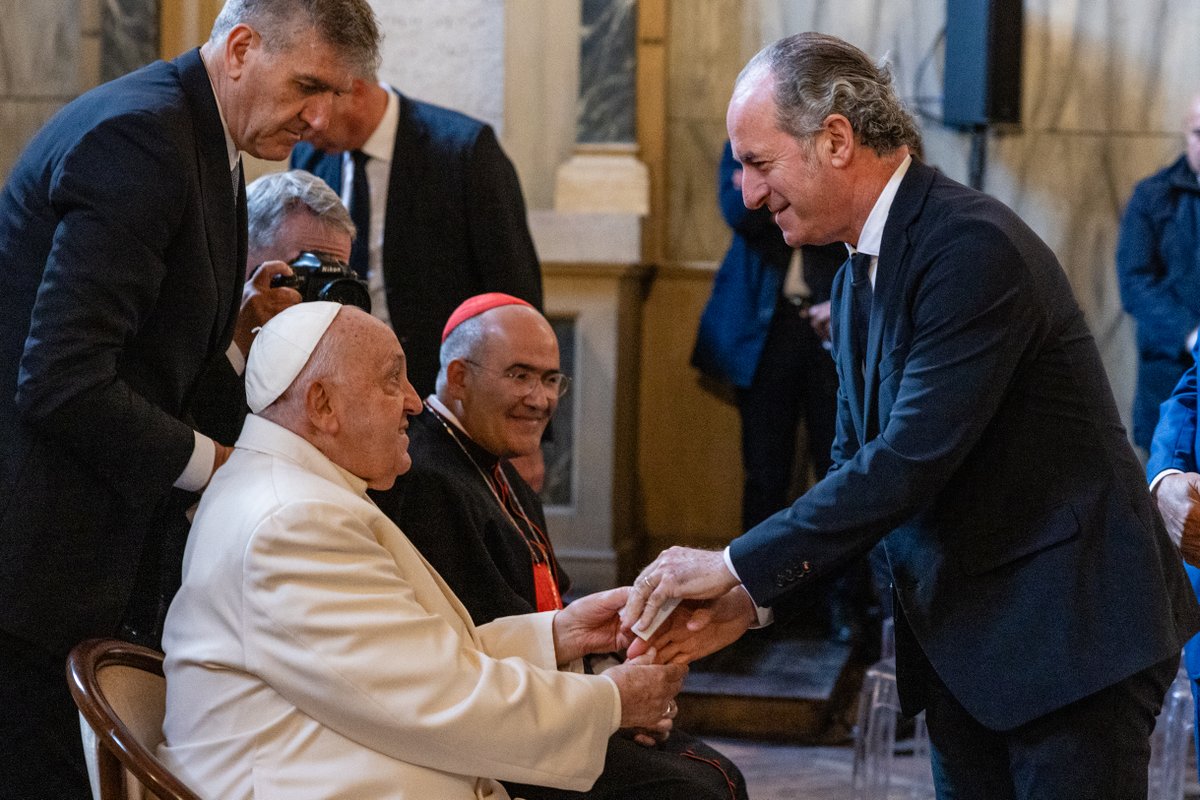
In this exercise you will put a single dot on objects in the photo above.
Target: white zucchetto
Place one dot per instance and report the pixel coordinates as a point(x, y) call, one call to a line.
point(282, 348)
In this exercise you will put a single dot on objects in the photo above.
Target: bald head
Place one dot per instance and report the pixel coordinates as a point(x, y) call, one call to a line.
point(1192, 134)
point(500, 376)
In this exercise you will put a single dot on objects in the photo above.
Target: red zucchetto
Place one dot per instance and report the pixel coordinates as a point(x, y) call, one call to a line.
point(474, 306)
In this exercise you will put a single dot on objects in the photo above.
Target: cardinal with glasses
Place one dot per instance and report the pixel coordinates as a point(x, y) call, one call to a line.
point(482, 527)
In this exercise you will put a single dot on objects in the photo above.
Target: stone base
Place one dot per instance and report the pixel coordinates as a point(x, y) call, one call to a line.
point(603, 182)
point(799, 690)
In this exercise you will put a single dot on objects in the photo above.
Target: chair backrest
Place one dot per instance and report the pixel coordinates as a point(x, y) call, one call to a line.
point(121, 695)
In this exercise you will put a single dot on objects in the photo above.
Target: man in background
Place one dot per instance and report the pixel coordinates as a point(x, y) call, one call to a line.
point(440, 217)
point(1158, 270)
point(483, 529)
point(1173, 471)
point(311, 652)
point(122, 251)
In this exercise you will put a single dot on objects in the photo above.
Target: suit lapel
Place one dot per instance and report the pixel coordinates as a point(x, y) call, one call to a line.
point(843, 296)
point(224, 217)
point(893, 258)
point(400, 213)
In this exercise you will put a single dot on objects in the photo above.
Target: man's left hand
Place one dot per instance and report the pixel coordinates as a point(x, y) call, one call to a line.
point(260, 302)
point(680, 572)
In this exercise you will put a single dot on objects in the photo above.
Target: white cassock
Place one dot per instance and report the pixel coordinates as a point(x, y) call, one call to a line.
point(313, 653)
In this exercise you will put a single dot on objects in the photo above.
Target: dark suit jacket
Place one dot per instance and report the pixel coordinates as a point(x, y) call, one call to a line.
point(734, 324)
point(1029, 565)
point(1175, 445)
point(121, 247)
point(1158, 268)
point(455, 226)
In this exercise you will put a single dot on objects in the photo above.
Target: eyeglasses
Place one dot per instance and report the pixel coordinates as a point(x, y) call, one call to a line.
point(556, 383)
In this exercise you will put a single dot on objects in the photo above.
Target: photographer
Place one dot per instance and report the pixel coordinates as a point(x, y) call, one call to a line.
point(288, 213)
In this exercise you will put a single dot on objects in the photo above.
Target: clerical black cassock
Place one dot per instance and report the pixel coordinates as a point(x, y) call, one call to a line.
point(482, 528)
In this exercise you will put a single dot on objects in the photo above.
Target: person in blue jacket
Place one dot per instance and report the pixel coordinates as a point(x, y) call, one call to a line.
point(1175, 483)
point(765, 331)
point(1158, 269)
point(767, 336)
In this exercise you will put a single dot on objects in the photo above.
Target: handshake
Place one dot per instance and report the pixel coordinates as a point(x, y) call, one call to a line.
point(683, 606)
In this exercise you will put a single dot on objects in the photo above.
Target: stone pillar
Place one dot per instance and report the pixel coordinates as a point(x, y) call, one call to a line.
point(604, 175)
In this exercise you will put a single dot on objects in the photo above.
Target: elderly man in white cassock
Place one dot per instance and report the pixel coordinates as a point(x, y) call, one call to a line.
point(312, 652)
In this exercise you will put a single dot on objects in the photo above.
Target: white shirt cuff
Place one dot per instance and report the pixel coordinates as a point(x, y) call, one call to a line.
point(765, 615)
point(200, 466)
point(1158, 478)
point(236, 359)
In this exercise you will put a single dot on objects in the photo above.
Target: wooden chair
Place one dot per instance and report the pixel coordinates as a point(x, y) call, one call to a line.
point(121, 695)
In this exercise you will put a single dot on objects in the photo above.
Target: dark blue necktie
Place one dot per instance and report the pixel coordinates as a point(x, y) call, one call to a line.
point(360, 214)
point(860, 267)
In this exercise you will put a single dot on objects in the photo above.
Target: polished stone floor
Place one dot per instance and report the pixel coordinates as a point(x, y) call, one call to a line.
point(789, 772)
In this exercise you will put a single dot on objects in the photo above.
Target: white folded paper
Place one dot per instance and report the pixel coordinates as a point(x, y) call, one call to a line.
point(663, 612)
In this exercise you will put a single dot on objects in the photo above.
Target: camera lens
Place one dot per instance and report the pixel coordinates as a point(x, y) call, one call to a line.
point(348, 292)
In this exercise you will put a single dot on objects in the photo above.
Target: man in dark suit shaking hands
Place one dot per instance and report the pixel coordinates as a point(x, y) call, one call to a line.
point(1040, 606)
point(122, 250)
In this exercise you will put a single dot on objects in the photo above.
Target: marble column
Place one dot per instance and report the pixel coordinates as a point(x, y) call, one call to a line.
point(54, 50)
point(604, 175)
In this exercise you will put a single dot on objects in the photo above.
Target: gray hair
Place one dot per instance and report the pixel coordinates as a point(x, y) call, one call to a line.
point(350, 27)
point(273, 197)
point(463, 343)
point(816, 75)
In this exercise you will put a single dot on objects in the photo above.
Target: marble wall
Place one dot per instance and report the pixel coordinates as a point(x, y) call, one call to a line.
point(1105, 86)
point(128, 36)
point(449, 53)
point(606, 72)
point(47, 54)
point(53, 50)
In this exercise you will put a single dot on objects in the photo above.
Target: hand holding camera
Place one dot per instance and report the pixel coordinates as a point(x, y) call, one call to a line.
point(320, 276)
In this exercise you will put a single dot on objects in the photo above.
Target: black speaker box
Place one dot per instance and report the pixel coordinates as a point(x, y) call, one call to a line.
point(983, 63)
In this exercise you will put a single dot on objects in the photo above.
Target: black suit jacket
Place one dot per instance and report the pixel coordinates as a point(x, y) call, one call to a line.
point(1029, 566)
point(121, 247)
point(455, 226)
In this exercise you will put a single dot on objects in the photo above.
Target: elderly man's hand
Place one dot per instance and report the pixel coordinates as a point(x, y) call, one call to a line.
point(678, 572)
point(648, 692)
point(700, 627)
point(1178, 498)
point(260, 302)
point(590, 625)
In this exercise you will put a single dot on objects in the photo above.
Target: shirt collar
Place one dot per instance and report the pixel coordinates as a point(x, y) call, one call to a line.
point(382, 141)
point(230, 147)
point(264, 436)
point(440, 407)
point(871, 238)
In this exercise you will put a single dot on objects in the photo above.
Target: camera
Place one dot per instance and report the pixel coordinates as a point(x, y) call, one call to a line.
point(320, 276)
